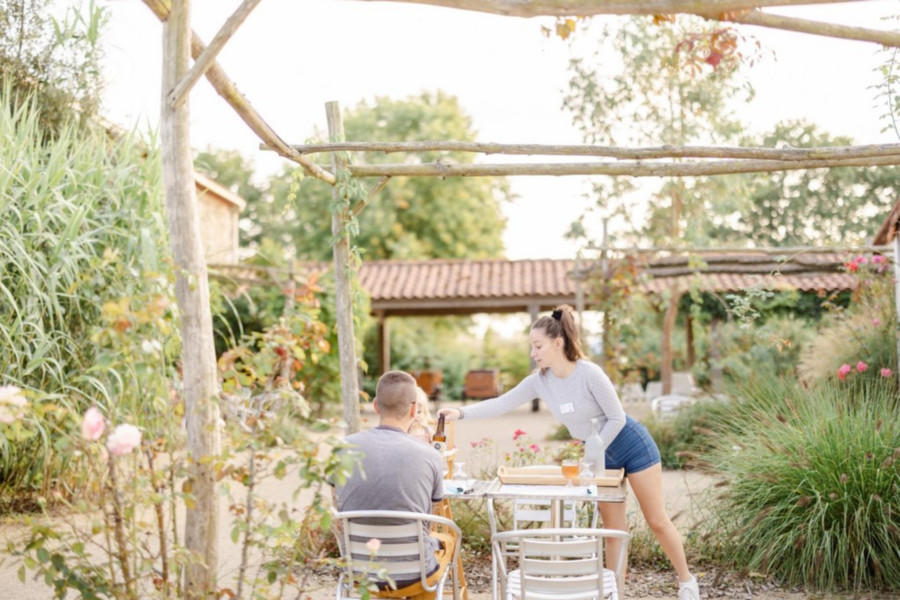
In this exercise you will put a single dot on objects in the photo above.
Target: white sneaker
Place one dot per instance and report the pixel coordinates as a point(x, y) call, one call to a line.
point(689, 590)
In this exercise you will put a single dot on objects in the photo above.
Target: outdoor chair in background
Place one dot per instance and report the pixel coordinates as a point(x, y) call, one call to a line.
point(654, 390)
point(631, 392)
point(481, 383)
point(669, 405)
point(401, 554)
point(432, 383)
point(527, 514)
point(557, 564)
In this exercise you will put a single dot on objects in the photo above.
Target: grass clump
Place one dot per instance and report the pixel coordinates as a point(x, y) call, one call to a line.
point(813, 494)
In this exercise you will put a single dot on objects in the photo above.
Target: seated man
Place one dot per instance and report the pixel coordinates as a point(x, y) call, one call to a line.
point(397, 472)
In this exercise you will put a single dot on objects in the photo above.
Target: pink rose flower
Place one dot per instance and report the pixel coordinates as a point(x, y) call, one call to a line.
point(876, 322)
point(123, 440)
point(844, 370)
point(535, 448)
point(92, 425)
point(10, 394)
point(861, 367)
point(12, 403)
point(852, 267)
point(860, 260)
point(517, 434)
point(877, 259)
point(885, 372)
point(373, 545)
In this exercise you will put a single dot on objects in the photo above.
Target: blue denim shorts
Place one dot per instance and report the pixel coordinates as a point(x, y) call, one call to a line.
point(633, 449)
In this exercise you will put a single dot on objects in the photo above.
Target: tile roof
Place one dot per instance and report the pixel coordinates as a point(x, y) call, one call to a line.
point(486, 279)
point(445, 279)
point(499, 285)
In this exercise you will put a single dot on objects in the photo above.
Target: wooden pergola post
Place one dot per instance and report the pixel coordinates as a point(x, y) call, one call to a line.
point(192, 293)
point(384, 343)
point(666, 347)
point(689, 340)
point(342, 292)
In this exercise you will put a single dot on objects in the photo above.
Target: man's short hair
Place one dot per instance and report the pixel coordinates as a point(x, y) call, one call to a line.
point(395, 392)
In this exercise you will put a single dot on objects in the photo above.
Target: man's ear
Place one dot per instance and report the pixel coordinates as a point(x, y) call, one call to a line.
point(412, 410)
point(375, 405)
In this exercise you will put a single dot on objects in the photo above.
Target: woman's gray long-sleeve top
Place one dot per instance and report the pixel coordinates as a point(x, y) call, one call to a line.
point(574, 400)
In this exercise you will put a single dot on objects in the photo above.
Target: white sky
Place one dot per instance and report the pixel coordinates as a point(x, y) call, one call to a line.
point(291, 56)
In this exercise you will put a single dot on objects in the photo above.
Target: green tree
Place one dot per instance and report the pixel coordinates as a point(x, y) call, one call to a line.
point(52, 61)
point(818, 206)
point(457, 217)
point(652, 83)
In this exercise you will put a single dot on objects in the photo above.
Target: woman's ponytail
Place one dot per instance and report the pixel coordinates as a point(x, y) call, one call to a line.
point(561, 323)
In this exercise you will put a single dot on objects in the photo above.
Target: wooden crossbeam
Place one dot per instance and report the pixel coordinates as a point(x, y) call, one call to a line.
point(622, 168)
point(576, 8)
point(226, 88)
point(743, 152)
point(764, 19)
point(209, 54)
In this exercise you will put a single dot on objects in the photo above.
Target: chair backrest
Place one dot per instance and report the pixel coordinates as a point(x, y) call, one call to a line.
point(538, 511)
point(563, 562)
point(401, 554)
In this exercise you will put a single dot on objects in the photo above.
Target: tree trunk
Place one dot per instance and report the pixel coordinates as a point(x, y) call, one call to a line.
point(342, 292)
point(192, 292)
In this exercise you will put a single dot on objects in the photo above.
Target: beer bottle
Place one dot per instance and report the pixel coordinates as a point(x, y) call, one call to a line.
point(439, 439)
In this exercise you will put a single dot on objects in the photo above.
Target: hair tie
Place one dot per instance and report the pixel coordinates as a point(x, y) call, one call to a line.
point(557, 314)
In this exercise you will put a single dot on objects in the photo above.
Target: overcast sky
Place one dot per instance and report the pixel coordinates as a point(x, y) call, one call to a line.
point(291, 56)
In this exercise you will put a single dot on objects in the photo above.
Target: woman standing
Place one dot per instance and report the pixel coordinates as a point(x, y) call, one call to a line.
point(576, 391)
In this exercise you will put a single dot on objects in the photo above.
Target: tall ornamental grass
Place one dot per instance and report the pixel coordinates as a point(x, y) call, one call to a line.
point(82, 224)
point(813, 493)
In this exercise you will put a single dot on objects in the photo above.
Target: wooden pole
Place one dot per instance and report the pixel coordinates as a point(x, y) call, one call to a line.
point(384, 344)
point(579, 8)
point(668, 325)
point(208, 55)
point(227, 90)
point(192, 292)
point(622, 168)
point(342, 273)
point(689, 340)
point(637, 153)
point(763, 19)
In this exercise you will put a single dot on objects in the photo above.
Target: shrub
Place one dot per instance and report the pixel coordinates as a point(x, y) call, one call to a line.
point(82, 230)
point(864, 333)
point(813, 484)
point(684, 440)
point(744, 349)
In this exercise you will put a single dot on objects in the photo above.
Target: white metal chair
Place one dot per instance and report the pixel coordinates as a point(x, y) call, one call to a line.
point(401, 554)
point(558, 564)
point(668, 406)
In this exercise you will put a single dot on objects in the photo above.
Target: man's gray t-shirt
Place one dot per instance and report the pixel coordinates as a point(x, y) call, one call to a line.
point(398, 472)
point(585, 394)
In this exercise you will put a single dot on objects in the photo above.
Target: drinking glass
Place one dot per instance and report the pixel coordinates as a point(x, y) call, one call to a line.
point(458, 472)
point(569, 470)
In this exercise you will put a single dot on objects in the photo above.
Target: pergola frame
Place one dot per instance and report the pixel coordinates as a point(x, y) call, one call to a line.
point(199, 367)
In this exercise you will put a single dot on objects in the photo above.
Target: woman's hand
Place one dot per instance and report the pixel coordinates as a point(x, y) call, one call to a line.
point(451, 414)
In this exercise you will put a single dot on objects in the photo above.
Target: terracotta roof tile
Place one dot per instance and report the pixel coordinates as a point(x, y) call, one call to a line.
point(521, 282)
